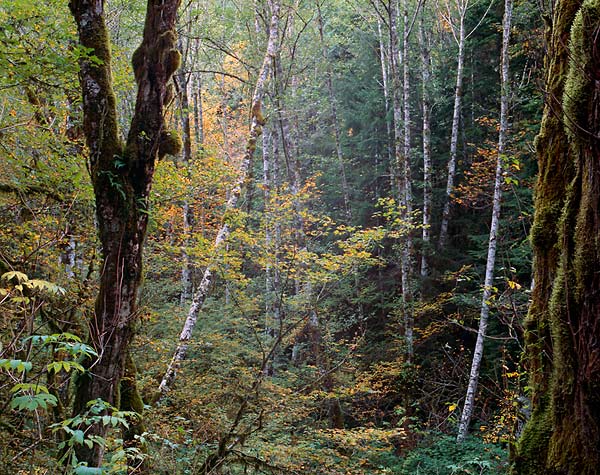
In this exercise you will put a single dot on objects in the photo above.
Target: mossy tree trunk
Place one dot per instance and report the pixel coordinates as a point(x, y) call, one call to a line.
point(122, 177)
point(563, 326)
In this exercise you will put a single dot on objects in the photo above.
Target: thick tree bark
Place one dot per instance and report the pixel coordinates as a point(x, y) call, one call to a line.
point(257, 121)
point(122, 178)
point(563, 327)
point(463, 427)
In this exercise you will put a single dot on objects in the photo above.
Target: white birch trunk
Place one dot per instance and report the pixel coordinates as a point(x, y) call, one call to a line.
point(257, 122)
point(186, 267)
point(386, 94)
point(467, 412)
point(402, 146)
point(427, 164)
point(458, 93)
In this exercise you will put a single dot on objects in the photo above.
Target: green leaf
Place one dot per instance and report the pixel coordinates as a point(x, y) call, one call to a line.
point(35, 387)
point(19, 365)
point(82, 470)
point(66, 366)
point(78, 436)
point(32, 402)
point(14, 275)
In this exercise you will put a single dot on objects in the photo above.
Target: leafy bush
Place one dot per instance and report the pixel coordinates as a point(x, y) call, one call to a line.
point(441, 455)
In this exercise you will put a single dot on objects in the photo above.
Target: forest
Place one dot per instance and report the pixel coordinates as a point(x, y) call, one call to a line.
point(300, 237)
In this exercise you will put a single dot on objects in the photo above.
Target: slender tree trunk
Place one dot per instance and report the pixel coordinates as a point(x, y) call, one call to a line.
point(122, 178)
point(257, 121)
point(386, 94)
point(198, 113)
point(463, 427)
point(407, 248)
point(458, 93)
point(184, 111)
point(404, 193)
point(427, 164)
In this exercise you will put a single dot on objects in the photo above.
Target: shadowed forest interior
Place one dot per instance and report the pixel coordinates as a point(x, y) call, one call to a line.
point(300, 237)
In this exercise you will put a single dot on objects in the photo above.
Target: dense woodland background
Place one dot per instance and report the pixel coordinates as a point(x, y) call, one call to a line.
point(346, 308)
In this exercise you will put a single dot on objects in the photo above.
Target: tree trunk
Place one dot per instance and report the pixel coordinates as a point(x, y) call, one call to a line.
point(183, 79)
point(402, 166)
point(427, 164)
point(386, 94)
point(563, 327)
point(198, 113)
point(467, 412)
point(257, 121)
point(122, 178)
point(458, 92)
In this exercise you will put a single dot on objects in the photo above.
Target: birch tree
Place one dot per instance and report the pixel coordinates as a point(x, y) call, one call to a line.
point(257, 121)
point(400, 96)
point(467, 411)
point(455, 16)
point(426, 131)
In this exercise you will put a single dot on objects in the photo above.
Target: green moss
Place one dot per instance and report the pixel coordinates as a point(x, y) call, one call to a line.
point(544, 230)
point(580, 83)
point(167, 40)
point(172, 62)
point(534, 439)
point(137, 61)
point(170, 143)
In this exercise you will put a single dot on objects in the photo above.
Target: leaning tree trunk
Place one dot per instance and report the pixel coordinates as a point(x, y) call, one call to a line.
point(463, 427)
point(563, 326)
point(257, 122)
point(121, 177)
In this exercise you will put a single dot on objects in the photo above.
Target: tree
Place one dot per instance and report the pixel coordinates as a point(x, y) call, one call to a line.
point(121, 175)
point(461, 8)
point(256, 124)
point(463, 427)
point(563, 325)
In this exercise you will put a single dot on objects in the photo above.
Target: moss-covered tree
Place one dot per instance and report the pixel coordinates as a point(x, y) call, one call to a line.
point(563, 327)
point(121, 174)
